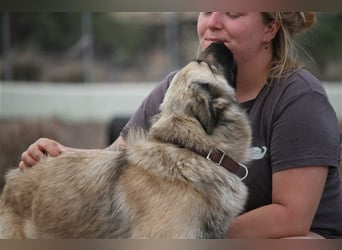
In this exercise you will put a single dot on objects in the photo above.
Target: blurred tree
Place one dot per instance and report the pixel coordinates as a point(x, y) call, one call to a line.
point(122, 43)
point(328, 36)
point(323, 43)
point(48, 32)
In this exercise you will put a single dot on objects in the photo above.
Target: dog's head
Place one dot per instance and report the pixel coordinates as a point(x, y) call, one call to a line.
point(200, 109)
point(220, 57)
point(204, 86)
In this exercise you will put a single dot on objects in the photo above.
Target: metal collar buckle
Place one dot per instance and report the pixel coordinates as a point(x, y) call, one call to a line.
point(221, 160)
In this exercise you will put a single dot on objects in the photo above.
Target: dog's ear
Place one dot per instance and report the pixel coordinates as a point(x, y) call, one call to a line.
point(203, 107)
point(221, 57)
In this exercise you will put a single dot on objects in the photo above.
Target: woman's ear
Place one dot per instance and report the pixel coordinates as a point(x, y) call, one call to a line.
point(271, 30)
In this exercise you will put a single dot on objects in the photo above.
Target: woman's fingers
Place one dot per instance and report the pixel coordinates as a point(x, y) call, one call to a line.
point(39, 150)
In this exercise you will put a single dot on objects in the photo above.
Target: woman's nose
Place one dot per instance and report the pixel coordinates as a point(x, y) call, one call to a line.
point(215, 21)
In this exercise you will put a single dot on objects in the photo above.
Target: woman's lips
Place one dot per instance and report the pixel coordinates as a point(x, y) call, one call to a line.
point(210, 40)
point(215, 40)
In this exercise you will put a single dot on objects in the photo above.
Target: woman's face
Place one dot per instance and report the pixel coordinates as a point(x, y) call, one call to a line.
point(244, 33)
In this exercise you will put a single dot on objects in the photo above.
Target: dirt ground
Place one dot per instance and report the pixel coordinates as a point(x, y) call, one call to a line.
point(17, 135)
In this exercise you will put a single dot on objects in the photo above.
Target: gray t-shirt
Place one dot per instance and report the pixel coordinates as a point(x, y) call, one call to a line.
point(294, 125)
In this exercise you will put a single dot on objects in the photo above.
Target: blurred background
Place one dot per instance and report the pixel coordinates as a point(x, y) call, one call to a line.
point(77, 77)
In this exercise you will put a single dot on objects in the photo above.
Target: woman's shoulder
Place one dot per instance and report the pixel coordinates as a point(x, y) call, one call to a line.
point(301, 81)
point(301, 86)
point(160, 89)
point(167, 80)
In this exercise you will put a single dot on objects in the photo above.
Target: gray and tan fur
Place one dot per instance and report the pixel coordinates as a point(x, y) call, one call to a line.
point(151, 189)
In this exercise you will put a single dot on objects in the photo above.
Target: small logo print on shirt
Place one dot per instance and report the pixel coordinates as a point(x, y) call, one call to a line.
point(258, 153)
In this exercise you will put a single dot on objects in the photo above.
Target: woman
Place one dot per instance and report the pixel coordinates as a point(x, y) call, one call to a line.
point(294, 183)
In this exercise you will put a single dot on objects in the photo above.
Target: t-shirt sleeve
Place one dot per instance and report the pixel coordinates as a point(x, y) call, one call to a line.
point(305, 132)
point(149, 107)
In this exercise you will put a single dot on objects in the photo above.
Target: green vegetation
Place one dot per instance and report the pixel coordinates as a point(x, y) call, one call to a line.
point(48, 46)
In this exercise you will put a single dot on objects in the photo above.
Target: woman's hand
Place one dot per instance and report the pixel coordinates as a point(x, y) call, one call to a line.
point(39, 150)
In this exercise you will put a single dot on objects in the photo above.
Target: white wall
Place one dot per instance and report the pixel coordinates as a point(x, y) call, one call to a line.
point(75, 102)
point(84, 102)
point(334, 91)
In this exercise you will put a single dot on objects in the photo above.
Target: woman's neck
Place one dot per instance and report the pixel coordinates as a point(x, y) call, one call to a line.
point(252, 76)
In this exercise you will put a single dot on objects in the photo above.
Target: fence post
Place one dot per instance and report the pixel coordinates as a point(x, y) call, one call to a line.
point(6, 40)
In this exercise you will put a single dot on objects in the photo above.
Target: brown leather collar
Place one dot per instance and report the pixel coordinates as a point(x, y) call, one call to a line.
point(218, 157)
point(221, 159)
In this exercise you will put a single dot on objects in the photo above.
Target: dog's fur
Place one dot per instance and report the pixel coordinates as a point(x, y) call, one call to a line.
point(153, 188)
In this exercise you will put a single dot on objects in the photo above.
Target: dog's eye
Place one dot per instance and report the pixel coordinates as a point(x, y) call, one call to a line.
point(215, 68)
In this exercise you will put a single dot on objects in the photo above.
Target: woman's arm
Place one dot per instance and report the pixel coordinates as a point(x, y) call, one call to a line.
point(44, 146)
point(295, 197)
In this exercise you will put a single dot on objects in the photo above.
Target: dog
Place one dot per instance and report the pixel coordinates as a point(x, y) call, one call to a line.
point(178, 180)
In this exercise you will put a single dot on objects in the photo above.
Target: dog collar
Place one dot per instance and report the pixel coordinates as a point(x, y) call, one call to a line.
point(220, 158)
point(223, 160)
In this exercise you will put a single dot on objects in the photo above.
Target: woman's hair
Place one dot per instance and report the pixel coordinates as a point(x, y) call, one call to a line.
point(284, 46)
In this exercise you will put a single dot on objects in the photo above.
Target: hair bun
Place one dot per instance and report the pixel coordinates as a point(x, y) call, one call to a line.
point(309, 18)
point(296, 22)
